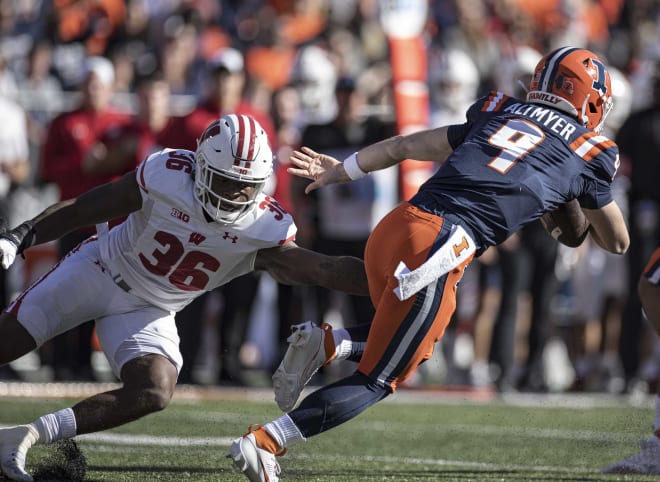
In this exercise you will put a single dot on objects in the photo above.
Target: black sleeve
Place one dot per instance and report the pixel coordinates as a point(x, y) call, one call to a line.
point(456, 134)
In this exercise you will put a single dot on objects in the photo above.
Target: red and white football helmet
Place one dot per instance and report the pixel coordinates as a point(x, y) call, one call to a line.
point(235, 147)
point(574, 81)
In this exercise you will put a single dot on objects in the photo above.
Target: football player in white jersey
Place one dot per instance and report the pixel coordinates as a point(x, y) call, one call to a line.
point(195, 221)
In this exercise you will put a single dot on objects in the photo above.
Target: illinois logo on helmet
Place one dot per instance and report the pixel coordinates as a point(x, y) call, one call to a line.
point(575, 81)
point(235, 148)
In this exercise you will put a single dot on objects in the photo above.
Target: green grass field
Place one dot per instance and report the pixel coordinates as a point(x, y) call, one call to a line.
point(412, 437)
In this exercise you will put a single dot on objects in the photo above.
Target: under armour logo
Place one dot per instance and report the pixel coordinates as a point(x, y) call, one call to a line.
point(233, 237)
point(196, 238)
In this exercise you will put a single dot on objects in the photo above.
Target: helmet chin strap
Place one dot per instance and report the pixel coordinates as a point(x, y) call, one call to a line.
point(583, 118)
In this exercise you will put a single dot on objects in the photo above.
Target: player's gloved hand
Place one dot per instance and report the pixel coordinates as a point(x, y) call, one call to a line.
point(7, 252)
point(14, 242)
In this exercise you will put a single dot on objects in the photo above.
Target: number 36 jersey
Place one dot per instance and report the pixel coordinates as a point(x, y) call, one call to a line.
point(168, 252)
point(514, 161)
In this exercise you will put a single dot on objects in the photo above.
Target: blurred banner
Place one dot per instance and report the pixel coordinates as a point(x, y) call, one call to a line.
point(403, 21)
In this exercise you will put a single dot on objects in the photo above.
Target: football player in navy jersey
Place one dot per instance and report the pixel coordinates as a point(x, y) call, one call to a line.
point(510, 163)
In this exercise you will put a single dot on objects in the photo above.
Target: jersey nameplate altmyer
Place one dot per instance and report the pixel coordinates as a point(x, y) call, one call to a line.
point(549, 118)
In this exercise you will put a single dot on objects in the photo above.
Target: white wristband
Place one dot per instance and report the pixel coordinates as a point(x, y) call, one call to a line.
point(352, 167)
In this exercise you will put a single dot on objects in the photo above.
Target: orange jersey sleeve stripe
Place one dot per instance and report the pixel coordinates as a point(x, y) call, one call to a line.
point(590, 144)
point(494, 102)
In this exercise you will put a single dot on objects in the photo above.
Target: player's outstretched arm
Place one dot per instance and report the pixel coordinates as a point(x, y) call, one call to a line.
point(103, 203)
point(608, 228)
point(428, 145)
point(292, 265)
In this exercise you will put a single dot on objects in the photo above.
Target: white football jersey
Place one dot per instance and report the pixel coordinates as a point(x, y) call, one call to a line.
point(168, 253)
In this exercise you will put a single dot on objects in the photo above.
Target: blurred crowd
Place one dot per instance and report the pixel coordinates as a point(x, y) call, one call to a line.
point(91, 87)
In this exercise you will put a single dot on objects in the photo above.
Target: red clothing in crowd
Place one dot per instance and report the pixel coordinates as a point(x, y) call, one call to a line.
point(69, 138)
point(148, 140)
point(190, 127)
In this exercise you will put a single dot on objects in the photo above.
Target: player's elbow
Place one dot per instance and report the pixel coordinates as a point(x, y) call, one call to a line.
point(619, 244)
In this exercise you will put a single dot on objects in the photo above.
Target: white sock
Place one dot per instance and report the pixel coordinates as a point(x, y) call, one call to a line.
point(343, 343)
point(56, 426)
point(284, 431)
point(656, 422)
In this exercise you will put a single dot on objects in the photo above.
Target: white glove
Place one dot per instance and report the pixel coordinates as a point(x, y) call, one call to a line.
point(7, 252)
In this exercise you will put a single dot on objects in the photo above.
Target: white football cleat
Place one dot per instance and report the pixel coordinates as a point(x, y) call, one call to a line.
point(257, 464)
point(14, 444)
point(304, 356)
point(647, 461)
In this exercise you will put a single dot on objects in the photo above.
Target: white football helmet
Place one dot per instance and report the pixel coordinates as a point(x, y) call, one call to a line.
point(314, 76)
point(622, 93)
point(233, 148)
point(453, 81)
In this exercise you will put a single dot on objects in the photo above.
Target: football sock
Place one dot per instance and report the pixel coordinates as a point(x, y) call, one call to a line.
point(656, 422)
point(282, 432)
point(342, 344)
point(358, 335)
point(56, 426)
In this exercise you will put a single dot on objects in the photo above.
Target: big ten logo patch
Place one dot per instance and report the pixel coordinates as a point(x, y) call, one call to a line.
point(180, 215)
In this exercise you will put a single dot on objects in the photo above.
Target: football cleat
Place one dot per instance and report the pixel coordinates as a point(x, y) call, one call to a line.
point(304, 356)
point(14, 444)
point(257, 464)
point(647, 461)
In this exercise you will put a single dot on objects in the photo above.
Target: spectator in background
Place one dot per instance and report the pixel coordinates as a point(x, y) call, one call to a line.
point(314, 76)
point(224, 87)
point(599, 281)
point(453, 85)
point(225, 94)
point(176, 58)
point(287, 120)
point(8, 86)
point(73, 157)
point(42, 97)
point(91, 23)
point(14, 169)
point(145, 133)
point(639, 141)
point(344, 214)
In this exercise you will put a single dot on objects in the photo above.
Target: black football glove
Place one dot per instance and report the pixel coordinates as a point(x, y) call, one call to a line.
point(15, 241)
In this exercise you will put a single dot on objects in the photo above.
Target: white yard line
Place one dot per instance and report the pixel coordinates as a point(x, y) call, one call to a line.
point(164, 441)
point(111, 442)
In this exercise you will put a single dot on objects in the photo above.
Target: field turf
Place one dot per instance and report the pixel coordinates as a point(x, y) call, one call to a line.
point(414, 436)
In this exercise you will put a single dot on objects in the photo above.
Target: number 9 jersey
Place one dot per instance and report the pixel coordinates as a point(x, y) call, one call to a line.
point(169, 252)
point(512, 162)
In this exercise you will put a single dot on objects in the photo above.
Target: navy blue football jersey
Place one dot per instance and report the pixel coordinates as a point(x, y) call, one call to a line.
point(514, 161)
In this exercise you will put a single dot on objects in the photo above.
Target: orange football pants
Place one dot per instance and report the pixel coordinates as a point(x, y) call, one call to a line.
point(403, 333)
